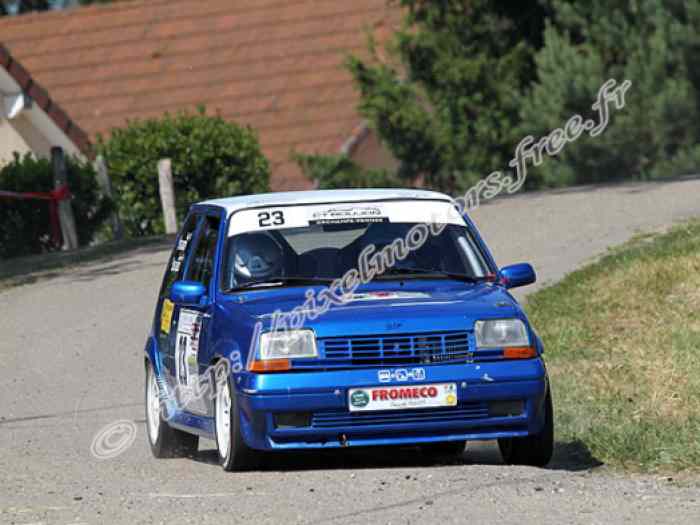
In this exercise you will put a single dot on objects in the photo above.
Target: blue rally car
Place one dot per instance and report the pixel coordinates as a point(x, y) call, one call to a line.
point(324, 319)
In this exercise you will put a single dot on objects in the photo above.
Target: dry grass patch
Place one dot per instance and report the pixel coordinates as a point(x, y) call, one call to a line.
point(623, 343)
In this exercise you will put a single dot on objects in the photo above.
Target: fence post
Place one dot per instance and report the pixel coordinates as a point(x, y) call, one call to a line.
point(65, 210)
point(106, 187)
point(167, 195)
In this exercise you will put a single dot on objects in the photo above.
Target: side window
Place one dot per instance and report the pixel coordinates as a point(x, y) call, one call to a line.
point(176, 265)
point(202, 266)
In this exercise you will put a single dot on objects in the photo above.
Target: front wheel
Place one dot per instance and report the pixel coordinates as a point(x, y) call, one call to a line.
point(234, 454)
point(535, 450)
point(165, 441)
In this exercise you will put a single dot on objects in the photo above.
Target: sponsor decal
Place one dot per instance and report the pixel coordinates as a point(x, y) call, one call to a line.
point(359, 398)
point(348, 215)
point(166, 315)
point(401, 374)
point(362, 213)
point(177, 262)
point(189, 327)
point(403, 397)
point(179, 257)
point(414, 392)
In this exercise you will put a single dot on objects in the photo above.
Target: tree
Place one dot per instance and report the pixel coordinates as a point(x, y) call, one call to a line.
point(653, 43)
point(339, 171)
point(210, 158)
point(447, 105)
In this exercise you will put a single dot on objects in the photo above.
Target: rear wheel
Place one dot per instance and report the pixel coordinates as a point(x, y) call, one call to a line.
point(445, 448)
point(165, 441)
point(234, 454)
point(535, 450)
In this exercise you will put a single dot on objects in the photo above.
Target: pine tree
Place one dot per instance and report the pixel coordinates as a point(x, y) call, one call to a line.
point(445, 100)
point(653, 43)
point(447, 105)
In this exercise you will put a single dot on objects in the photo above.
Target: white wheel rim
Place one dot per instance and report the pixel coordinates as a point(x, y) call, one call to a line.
point(153, 407)
point(223, 420)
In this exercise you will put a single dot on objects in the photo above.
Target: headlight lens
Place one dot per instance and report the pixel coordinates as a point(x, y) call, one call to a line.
point(497, 333)
point(289, 344)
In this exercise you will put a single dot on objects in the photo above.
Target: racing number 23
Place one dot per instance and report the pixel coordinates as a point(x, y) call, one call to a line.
point(270, 218)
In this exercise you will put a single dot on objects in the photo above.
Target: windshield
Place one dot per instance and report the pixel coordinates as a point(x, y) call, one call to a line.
point(328, 251)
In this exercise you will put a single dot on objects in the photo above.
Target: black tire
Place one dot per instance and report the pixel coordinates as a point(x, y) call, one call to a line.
point(238, 455)
point(444, 448)
point(535, 450)
point(165, 441)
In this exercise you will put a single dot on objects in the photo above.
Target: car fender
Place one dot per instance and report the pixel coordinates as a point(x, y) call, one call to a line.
point(152, 355)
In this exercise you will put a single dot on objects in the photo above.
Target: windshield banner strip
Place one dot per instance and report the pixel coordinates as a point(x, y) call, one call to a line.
point(409, 211)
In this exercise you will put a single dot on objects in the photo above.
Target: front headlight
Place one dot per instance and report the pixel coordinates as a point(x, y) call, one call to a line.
point(499, 333)
point(288, 344)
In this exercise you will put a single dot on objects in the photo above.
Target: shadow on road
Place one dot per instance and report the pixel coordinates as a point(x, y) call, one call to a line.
point(573, 456)
point(570, 456)
point(116, 268)
point(120, 257)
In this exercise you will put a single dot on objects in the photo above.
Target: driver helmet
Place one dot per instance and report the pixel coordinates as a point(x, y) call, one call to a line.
point(257, 256)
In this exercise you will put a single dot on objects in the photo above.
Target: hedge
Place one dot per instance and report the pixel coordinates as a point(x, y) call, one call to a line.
point(210, 158)
point(25, 224)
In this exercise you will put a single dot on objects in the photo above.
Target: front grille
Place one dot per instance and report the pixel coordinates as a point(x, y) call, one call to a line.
point(433, 347)
point(343, 418)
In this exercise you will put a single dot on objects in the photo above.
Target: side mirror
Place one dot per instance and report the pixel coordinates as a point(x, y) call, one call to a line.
point(518, 275)
point(187, 292)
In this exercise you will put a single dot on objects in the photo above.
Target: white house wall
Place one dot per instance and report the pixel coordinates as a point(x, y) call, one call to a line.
point(32, 130)
point(10, 140)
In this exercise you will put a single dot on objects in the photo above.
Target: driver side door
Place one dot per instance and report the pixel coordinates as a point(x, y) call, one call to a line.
point(166, 315)
point(191, 343)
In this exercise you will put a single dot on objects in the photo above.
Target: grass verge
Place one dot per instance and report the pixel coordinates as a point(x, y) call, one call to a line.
point(25, 270)
point(622, 340)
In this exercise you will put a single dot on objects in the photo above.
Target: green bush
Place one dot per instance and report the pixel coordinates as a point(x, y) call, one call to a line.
point(25, 224)
point(210, 158)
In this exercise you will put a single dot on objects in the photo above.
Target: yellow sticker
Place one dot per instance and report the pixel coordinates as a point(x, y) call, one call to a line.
point(166, 315)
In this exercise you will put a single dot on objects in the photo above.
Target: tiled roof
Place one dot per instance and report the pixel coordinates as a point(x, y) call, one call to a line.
point(273, 64)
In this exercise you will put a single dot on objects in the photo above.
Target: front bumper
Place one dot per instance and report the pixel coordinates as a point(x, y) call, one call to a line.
point(323, 396)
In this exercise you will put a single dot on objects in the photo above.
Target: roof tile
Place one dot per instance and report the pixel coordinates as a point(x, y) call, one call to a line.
point(275, 65)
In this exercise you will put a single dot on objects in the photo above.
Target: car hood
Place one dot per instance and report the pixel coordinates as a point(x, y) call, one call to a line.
point(391, 309)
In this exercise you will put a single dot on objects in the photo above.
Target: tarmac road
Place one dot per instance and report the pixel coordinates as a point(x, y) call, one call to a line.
point(71, 350)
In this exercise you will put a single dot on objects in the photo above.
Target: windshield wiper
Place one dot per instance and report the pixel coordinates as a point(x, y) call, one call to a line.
point(279, 281)
point(429, 271)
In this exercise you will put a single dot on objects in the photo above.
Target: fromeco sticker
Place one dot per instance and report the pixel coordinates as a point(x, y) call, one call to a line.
point(403, 397)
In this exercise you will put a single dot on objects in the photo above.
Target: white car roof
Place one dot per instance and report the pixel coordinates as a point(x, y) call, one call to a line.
point(233, 204)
